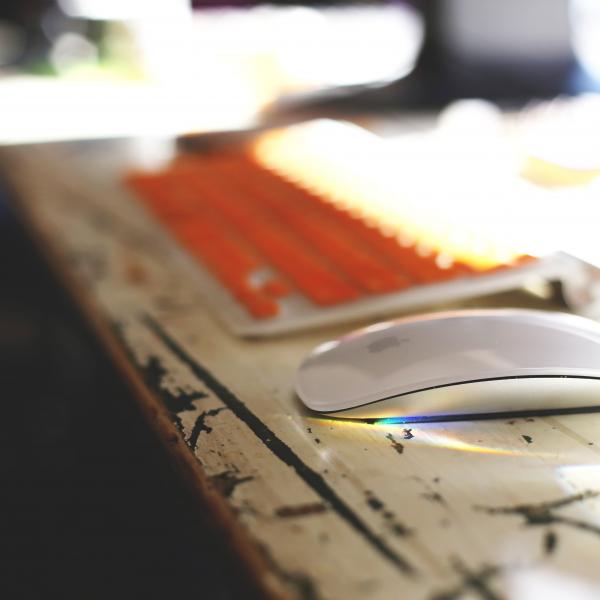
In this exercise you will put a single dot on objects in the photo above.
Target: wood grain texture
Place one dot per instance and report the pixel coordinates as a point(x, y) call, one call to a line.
point(317, 508)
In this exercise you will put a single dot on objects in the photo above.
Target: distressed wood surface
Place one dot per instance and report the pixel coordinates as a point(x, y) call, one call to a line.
point(319, 509)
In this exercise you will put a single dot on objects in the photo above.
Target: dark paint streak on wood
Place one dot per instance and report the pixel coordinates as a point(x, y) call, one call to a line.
point(282, 451)
point(227, 481)
point(200, 426)
point(302, 584)
point(550, 542)
point(434, 497)
point(477, 582)
point(153, 373)
point(399, 529)
point(527, 419)
point(374, 503)
point(301, 510)
point(395, 526)
point(397, 446)
point(542, 513)
point(578, 524)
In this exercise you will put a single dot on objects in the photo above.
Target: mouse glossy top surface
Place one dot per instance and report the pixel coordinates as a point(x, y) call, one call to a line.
point(424, 352)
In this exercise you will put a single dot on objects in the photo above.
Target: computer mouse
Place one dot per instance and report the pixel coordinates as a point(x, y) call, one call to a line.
point(464, 362)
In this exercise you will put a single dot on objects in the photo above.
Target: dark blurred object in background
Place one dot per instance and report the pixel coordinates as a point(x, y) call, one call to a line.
point(32, 30)
point(513, 49)
point(22, 39)
point(508, 52)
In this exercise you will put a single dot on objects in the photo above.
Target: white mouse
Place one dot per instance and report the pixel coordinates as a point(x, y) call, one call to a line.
point(464, 362)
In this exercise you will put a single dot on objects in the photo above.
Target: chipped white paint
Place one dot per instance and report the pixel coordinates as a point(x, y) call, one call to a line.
point(420, 497)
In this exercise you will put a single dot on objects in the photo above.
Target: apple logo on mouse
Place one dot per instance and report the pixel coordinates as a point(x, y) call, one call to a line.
point(386, 343)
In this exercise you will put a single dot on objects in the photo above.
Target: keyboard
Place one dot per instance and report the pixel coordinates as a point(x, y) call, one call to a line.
point(275, 252)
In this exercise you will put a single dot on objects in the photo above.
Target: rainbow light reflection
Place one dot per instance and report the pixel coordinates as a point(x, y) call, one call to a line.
point(444, 435)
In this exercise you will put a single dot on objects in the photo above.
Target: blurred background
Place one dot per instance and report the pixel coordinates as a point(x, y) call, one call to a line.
point(513, 82)
point(168, 65)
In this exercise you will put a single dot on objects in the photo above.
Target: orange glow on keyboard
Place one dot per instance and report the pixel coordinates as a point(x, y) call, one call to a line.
point(349, 168)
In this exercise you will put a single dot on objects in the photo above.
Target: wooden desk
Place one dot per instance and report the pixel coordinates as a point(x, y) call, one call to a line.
point(316, 508)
